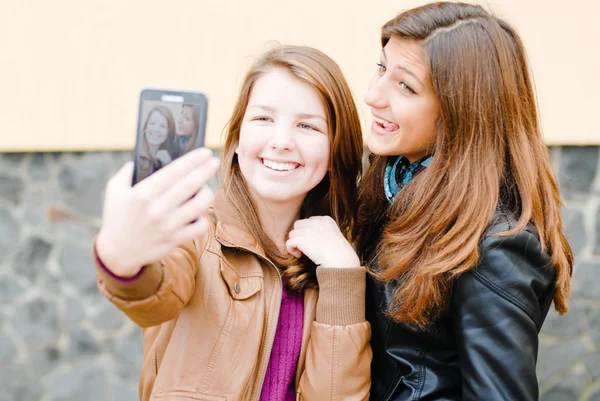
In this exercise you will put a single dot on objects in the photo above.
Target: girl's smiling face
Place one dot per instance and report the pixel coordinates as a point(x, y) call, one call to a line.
point(283, 149)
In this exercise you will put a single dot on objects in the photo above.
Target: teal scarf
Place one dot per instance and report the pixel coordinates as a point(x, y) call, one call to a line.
point(399, 172)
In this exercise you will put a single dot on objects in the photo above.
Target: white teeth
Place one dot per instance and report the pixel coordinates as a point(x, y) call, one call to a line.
point(380, 121)
point(279, 166)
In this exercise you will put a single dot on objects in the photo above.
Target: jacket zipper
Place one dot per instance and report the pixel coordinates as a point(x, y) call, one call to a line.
point(272, 339)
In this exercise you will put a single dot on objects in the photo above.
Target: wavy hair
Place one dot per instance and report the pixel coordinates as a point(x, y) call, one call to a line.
point(488, 150)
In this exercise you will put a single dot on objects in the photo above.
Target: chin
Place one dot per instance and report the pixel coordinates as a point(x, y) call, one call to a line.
point(380, 149)
point(275, 194)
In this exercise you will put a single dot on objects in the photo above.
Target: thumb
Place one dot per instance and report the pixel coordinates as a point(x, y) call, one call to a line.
point(292, 247)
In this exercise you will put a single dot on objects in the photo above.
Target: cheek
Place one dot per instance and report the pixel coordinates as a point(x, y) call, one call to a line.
point(428, 124)
point(415, 118)
point(251, 142)
point(316, 153)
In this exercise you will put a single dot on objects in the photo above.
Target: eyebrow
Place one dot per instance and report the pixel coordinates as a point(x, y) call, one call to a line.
point(301, 116)
point(400, 67)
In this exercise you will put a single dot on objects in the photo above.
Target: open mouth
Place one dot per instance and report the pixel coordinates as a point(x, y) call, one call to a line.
point(279, 166)
point(385, 125)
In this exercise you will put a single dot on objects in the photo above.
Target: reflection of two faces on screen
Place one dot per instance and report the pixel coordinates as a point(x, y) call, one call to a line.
point(157, 129)
point(167, 122)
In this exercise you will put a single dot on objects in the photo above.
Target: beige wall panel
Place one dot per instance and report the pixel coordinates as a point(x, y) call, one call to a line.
point(72, 70)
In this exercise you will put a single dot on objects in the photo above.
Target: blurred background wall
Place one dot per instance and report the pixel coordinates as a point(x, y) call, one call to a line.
point(72, 72)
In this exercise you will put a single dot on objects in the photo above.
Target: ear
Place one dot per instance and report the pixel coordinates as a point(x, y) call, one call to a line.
point(237, 150)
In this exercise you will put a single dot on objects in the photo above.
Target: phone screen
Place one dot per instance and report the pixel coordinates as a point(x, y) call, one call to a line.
point(170, 124)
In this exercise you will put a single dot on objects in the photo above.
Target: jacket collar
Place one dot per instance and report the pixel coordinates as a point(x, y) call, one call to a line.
point(231, 230)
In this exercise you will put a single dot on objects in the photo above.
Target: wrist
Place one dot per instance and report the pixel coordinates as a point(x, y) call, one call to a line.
point(343, 262)
point(108, 256)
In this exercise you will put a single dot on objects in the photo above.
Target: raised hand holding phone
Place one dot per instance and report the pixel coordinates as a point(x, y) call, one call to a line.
point(143, 223)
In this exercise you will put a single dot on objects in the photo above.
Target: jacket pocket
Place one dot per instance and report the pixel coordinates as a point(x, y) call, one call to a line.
point(240, 288)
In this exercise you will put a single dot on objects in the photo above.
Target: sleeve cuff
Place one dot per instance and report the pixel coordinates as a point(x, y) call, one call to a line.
point(341, 295)
point(143, 285)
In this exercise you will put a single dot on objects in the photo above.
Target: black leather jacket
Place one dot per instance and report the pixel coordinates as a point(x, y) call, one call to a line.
point(485, 346)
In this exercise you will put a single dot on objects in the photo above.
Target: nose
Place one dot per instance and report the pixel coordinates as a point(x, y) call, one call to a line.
point(376, 95)
point(282, 138)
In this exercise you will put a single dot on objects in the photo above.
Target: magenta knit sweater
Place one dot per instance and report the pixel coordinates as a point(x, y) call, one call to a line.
point(279, 382)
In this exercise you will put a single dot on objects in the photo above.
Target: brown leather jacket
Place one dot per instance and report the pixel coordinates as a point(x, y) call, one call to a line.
point(210, 311)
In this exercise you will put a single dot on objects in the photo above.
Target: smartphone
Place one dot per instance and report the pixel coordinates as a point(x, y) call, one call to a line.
point(170, 124)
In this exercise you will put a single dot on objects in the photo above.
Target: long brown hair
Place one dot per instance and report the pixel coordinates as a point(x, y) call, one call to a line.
point(336, 194)
point(488, 151)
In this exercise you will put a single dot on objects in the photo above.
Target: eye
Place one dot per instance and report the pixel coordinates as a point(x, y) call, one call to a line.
point(405, 88)
point(307, 126)
point(381, 68)
point(262, 118)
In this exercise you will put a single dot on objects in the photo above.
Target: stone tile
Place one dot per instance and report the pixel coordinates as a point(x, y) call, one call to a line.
point(76, 231)
point(578, 169)
point(82, 344)
point(10, 231)
point(109, 319)
point(50, 283)
point(597, 243)
point(10, 161)
point(574, 229)
point(79, 155)
point(35, 208)
point(563, 326)
point(8, 349)
point(75, 314)
point(10, 289)
point(84, 381)
point(592, 365)
point(39, 169)
point(46, 360)
point(37, 323)
point(128, 354)
point(586, 281)
point(594, 326)
point(552, 359)
point(81, 185)
point(76, 264)
point(56, 157)
point(11, 189)
point(32, 257)
point(569, 388)
point(124, 392)
point(93, 299)
point(119, 159)
point(16, 384)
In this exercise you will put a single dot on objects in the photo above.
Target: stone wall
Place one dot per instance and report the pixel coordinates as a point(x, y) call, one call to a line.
point(60, 340)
